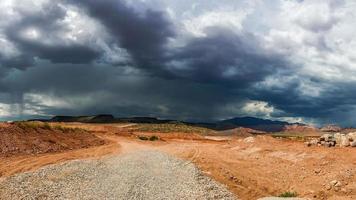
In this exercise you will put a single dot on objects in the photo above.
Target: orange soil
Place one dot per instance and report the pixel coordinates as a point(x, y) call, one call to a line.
point(270, 167)
point(35, 138)
point(18, 164)
point(25, 148)
point(264, 167)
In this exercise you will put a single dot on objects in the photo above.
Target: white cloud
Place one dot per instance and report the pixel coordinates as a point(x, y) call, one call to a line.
point(317, 37)
point(258, 108)
point(232, 20)
point(5, 110)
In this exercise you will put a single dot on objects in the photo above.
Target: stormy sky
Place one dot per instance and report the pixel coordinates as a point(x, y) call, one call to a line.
point(200, 60)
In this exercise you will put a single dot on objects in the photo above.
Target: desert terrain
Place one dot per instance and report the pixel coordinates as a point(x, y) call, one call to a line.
point(241, 163)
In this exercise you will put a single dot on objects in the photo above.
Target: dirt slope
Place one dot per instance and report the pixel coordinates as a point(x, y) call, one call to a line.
point(36, 138)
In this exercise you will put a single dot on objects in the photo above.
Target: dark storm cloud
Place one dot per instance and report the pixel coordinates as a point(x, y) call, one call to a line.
point(167, 74)
point(220, 58)
point(21, 61)
point(50, 44)
point(190, 82)
point(143, 35)
point(335, 103)
point(223, 57)
point(106, 89)
point(72, 53)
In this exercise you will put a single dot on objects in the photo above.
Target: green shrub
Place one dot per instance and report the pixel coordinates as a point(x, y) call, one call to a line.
point(288, 194)
point(154, 138)
point(142, 137)
point(46, 126)
point(171, 127)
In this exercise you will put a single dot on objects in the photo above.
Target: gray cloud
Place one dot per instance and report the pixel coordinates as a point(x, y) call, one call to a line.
point(143, 35)
point(49, 44)
point(164, 70)
point(223, 57)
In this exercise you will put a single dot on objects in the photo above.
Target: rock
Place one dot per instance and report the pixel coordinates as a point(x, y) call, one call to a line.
point(331, 128)
point(333, 143)
point(327, 144)
point(249, 140)
point(337, 137)
point(314, 141)
point(317, 171)
point(328, 187)
point(344, 141)
point(353, 144)
point(352, 136)
point(333, 182)
point(326, 137)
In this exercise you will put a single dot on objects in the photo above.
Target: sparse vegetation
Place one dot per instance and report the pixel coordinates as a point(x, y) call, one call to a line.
point(171, 127)
point(142, 137)
point(44, 125)
point(154, 138)
point(292, 136)
point(64, 129)
point(288, 194)
point(34, 125)
point(151, 138)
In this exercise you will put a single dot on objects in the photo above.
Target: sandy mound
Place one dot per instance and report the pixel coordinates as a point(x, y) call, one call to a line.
point(35, 138)
point(241, 132)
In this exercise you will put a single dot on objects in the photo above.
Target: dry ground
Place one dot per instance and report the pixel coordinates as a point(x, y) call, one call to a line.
point(263, 167)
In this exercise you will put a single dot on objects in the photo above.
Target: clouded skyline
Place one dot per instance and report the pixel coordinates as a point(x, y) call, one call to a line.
point(203, 60)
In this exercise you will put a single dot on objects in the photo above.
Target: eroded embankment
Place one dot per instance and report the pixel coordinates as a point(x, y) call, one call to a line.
point(28, 146)
point(28, 138)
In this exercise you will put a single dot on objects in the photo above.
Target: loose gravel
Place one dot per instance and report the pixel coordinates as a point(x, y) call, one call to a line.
point(140, 175)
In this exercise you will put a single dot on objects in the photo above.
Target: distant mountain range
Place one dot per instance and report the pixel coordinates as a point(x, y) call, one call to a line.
point(253, 123)
point(246, 122)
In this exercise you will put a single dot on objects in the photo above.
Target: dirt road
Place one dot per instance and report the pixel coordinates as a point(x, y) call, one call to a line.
point(135, 175)
point(251, 169)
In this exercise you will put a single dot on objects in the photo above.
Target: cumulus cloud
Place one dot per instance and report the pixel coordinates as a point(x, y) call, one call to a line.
point(209, 60)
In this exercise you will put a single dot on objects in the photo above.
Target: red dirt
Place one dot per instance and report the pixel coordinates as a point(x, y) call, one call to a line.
point(22, 140)
point(264, 167)
point(24, 163)
point(270, 167)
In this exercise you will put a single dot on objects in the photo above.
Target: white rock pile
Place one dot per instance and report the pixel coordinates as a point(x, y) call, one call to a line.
point(336, 139)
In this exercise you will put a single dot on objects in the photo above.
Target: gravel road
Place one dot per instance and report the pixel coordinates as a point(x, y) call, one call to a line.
point(138, 175)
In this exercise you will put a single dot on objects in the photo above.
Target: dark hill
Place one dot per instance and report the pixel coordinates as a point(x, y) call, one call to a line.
point(253, 123)
point(85, 119)
point(246, 122)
